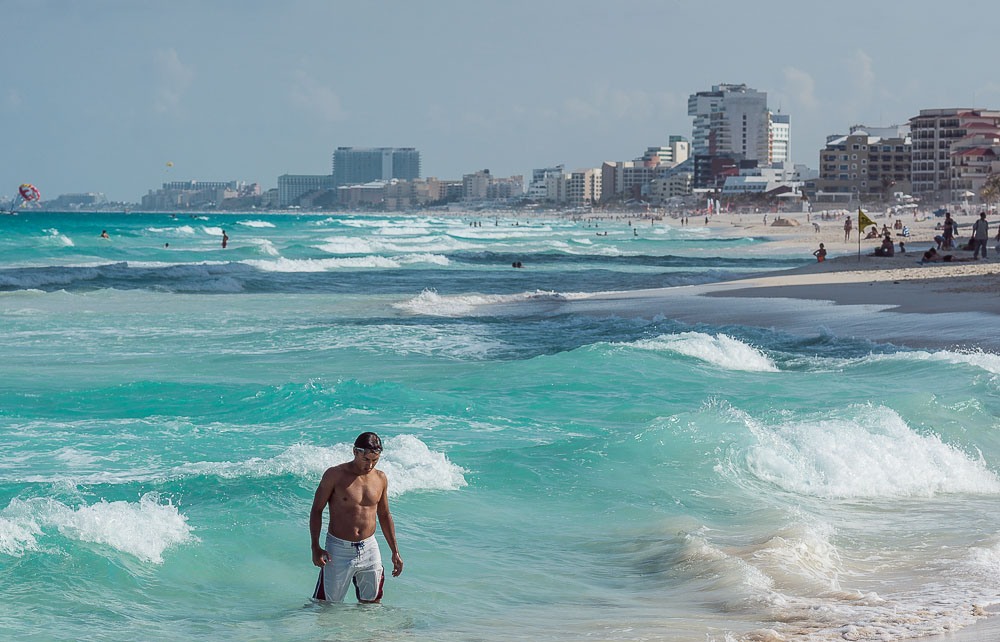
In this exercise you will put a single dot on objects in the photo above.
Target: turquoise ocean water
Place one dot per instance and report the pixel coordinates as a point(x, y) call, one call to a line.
point(166, 414)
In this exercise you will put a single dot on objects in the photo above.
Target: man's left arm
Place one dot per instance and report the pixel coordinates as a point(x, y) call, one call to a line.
point(389, 530)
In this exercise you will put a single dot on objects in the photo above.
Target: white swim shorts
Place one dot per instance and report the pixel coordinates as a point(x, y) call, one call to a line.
point(359, 563)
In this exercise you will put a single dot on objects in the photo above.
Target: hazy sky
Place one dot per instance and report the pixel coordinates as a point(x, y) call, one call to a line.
point(98, 95)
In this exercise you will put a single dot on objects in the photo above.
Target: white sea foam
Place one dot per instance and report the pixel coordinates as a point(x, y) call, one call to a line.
point(181, 267)
point(872, 454)
point(431, 303)
point(500, 233)
point(264, 246)
point(73, 457)
point(721, 350)
point(378, 223)
point(984, 561)
point(795, 576)
point(451, 341)
point(212, 231)
point(255, 223)
point(977, 358)
point(356, 262)
point(347, 245)
point(55, 237)
point(402, 245)
point(407, 462)
point(143, 529)
point(185, 230)
point(403, 231)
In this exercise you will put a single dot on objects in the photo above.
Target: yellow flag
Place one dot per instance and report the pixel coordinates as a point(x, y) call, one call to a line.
point(863, 220)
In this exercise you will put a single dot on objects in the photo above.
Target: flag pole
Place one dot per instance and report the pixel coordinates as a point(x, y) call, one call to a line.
point(863, 222)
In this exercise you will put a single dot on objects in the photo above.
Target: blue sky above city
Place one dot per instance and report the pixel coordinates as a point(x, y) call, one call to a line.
point(99, 95)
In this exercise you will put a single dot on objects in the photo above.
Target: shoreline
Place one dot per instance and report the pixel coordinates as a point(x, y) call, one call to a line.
point(892, 299)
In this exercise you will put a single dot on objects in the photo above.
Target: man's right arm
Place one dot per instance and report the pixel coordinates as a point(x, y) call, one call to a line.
point(320, 502)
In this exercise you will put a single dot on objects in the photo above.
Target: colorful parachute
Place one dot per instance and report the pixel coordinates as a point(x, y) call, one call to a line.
point(26, 193)
point(29, 192)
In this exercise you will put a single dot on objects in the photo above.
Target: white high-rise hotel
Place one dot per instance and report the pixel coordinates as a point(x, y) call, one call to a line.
point(733, 121)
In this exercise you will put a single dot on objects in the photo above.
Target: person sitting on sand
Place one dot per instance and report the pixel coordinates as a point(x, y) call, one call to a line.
point(886, 249)
point(820, 254)
point(872, 233)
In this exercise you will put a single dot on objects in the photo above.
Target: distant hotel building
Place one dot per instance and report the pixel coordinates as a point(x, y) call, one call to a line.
point(869, 162)
point(292, 187)
point(199, 194)
point(583, 187)
point(538, 190)
point(579, 188)
point(954, 150)
point(733, 127)
point(482, 185)
point(631, 180)
point(781, 138)
point(359, 165)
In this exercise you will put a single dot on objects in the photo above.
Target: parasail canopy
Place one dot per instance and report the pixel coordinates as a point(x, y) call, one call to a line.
point(29, 192)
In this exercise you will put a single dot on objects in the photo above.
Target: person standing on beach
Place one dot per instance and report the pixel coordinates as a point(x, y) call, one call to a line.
point(356, 495)
point(847, 229)
point(980, 235)
point(948, 232)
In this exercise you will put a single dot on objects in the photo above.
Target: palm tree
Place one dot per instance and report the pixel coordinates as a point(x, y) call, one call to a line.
point(990, 191)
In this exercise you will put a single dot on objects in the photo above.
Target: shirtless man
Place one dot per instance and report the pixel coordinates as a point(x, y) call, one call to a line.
point(357, 494)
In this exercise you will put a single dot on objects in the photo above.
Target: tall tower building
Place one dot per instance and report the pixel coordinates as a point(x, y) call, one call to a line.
point(781, 139)
point(732, 125)
point(358, 165)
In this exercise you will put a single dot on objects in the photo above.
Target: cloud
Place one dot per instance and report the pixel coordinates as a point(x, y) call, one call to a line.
point(801, 87)
point(864, 74)
point(315, 98)
point(173, 79)
point(580, 109)
point(622, 104)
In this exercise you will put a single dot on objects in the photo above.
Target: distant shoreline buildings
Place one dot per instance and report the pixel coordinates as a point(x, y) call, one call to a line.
point(739, 150)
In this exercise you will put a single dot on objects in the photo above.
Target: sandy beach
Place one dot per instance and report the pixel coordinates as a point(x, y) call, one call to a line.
point(895, 299)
